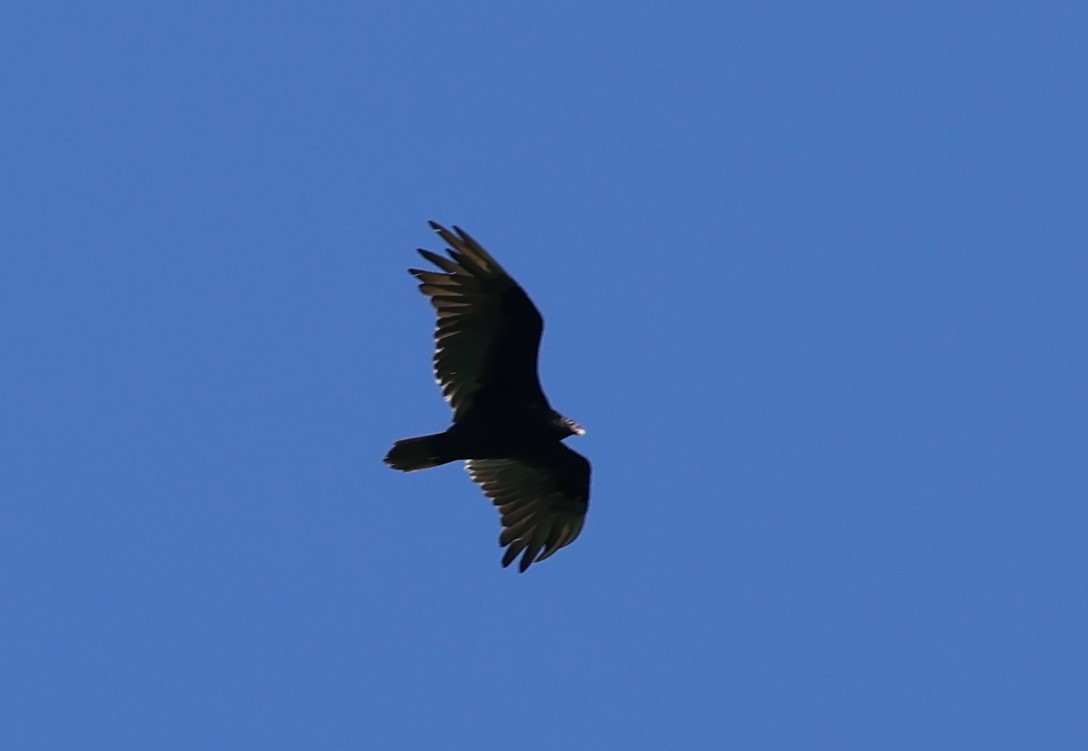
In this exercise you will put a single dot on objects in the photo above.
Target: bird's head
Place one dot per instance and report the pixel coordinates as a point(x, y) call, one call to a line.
point(568, 426)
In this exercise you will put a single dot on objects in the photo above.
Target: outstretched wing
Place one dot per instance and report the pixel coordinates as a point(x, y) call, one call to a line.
point(542, 499)
point(488, 332)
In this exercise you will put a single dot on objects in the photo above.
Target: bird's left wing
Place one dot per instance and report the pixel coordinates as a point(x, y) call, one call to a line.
point(542, 497)
point(488, 333)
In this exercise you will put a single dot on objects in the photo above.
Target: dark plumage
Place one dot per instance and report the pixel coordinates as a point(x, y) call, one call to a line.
point(485, 360)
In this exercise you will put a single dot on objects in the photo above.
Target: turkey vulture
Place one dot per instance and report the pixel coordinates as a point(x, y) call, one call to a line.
point(485, 360)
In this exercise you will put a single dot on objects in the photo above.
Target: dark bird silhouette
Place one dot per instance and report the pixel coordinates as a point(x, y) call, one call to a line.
point(485, 360)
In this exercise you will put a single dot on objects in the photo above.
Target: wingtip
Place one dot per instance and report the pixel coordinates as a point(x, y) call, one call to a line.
point(439, 227)
point(523, 565)
point(448, 237)
point(513, 551)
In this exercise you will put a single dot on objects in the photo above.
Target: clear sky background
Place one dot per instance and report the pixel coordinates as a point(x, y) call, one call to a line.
point(814, 279)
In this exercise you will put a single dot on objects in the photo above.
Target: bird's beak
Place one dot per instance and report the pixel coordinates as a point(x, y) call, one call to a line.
point(578, 429)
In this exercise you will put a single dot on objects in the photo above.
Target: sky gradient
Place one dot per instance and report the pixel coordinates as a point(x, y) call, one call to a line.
point(813, 279)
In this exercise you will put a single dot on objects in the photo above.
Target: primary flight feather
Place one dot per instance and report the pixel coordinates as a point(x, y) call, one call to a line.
point(486, 344)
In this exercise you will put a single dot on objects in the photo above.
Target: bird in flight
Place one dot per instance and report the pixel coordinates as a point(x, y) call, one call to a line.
point(486, 344)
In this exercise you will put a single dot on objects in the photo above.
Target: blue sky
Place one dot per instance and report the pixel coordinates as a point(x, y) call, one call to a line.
point(814, 280)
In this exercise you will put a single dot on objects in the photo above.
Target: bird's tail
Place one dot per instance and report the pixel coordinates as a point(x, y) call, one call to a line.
point(411, 454)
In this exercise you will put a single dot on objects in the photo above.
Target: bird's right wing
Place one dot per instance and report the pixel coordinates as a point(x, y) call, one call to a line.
point(488, 332)
point(542, 497)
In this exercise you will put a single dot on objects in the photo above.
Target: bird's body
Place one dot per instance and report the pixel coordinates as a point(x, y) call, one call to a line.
point(484, 436)
point(487, 339)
